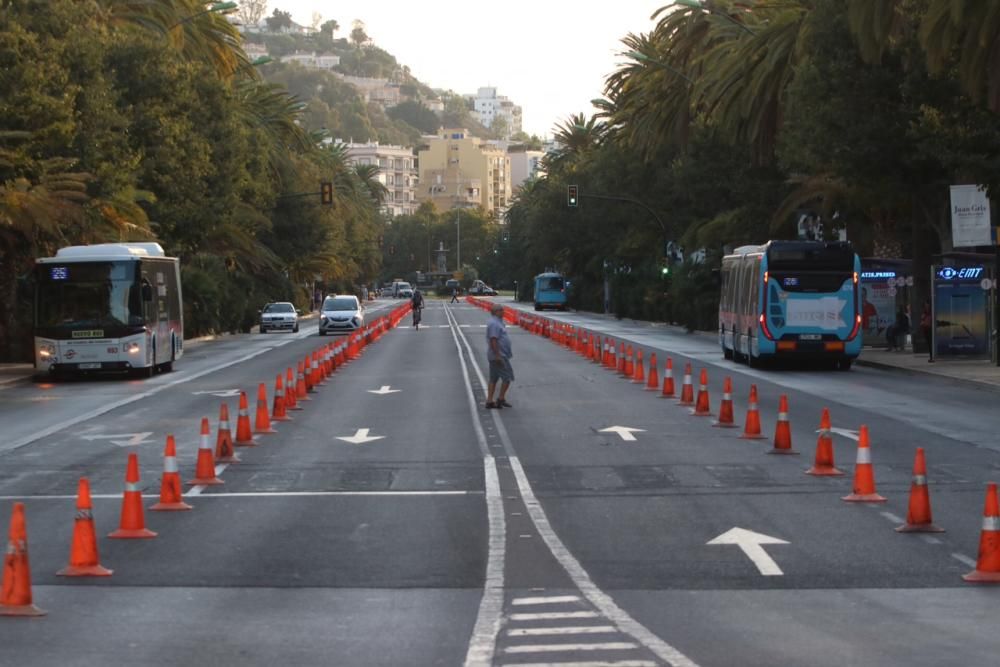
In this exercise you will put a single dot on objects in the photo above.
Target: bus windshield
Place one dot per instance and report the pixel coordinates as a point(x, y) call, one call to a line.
point(77, 294)
point(550, 283)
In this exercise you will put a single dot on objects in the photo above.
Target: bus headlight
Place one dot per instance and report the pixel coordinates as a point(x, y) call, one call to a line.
point(133, 348)
point(46, 350)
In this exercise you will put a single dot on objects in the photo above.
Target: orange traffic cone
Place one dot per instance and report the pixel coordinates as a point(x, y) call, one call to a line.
point(687, 389)
point(300, 385)
point(133, 522)
point(224, 450)
point(823, 464)
point(170, 482)
point(290, 402)
point(621, 358)
point(653, 383)
point(702, 408)
point(782, 430)
point(864, 474)
point(308, 374)
point(629, 363)
point(918, 516)
point(83, 558)
point(244, 434)
point(639, 376)
point(204, 471)
point(609, 354)
point(262, 423)
point(278, 409)
point(726, 419)
point(668, 380)
point(988, 564)
point(15, 592)
point(751, 428)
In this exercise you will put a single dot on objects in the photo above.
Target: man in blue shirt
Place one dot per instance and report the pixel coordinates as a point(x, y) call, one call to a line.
point(498, 353)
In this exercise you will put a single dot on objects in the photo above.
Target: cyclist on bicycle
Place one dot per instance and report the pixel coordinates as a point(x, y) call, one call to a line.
point(417, 304)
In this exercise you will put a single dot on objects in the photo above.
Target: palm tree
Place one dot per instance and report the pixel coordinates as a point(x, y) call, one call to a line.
point(367, 174)
point(577, 136)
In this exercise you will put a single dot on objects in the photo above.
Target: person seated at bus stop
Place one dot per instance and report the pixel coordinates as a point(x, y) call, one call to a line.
point(895, 335)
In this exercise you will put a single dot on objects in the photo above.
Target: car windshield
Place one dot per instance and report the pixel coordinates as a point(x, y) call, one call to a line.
point(279, 308)
point(340, 304)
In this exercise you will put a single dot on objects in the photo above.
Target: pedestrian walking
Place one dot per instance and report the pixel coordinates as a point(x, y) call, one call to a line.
point(498, 353)
point(454, 295)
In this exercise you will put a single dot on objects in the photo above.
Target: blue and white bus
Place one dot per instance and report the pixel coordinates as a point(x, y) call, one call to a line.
point(550, 291)
point(791, 299)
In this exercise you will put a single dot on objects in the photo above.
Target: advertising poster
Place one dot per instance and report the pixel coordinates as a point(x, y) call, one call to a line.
point(960, 313)
point(970, 216)
point(878, 310)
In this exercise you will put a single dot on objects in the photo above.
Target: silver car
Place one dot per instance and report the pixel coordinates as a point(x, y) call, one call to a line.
point(341, 314)
point(279, 316)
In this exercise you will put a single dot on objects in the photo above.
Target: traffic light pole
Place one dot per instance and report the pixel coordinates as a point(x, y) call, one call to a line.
point(630, 200)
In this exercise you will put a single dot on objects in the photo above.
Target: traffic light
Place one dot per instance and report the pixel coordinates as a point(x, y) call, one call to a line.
point(572, 195)
point(665, 271)
point(392, 249)
point(505, 236)
point(326, 193)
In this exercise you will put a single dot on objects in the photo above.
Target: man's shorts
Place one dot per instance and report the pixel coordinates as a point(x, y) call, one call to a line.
point(501, 371)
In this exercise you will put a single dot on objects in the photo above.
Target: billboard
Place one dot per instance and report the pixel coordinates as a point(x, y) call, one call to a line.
point(970, 216)
point(961, 325)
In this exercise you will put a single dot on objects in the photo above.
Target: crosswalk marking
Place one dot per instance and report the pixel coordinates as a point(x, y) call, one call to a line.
point(571, 630)
point(552, 599)
point(603, 663)
point(556, 648)
point(553, 615)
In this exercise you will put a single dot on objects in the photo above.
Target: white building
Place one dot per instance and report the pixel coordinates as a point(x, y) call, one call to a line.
point(397, 172)
point(324, 61)
point(380, 91)
point(487, 106)
point(524, 165)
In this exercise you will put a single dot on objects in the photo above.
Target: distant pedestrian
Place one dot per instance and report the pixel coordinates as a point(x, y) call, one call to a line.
point(498, 353)
point(454, 295)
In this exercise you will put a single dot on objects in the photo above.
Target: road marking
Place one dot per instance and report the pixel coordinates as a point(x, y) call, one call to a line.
point(221, 393)
point(130, 438)
point(360, 438)
point(751, 544)
point(553, 599)
point(261, 494)
point(624, 431)
point(558, 648)
point(892, 517)
point(602, 663)
point(601, 600)
point(846, 432)
point(553, 615)
point(570, 630)
point(930, 540)
point(383, 390)
point(962, 558)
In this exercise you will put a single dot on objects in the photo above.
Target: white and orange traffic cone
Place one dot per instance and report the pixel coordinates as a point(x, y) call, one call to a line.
point(702, 405)
point(171, 499)
point(639, 376)
point(653, 383)
point(225, 452)
point(726, 417)
point(290, 390)
point(988, 562)
point(668, 380)
point(918, 514)
point(823, 463)
point(751, 427)
point(782, 430)
point(83, 558)
point(687, 388)
point(15, 590)
point(244, 433)
point(262, 421)
point(864, 473)
point(278, 409)
point(133, 521)
point(204, 472)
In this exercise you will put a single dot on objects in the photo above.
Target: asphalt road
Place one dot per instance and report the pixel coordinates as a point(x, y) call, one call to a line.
point(528, 535)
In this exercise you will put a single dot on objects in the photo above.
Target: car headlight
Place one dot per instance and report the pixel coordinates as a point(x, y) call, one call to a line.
point(46, 350)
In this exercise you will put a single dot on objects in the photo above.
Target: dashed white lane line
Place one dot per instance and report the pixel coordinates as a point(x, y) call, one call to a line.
point(930, 540)
point(892, 517)
point(569, 630)
point(602, 663)
point(553, 615)
point(552, 599)
point(560, 648)
point(264, 494)
point(962, 558)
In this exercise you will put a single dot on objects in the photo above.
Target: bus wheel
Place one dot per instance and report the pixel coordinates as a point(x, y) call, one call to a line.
point(844, 364)
point(537, 307)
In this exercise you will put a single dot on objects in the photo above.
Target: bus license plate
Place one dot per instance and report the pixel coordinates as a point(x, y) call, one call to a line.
point(810, 337)
point(88, 367)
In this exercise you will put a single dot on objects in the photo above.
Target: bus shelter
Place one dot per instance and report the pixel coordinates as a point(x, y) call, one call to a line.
point(885, 286)
point(962, 310)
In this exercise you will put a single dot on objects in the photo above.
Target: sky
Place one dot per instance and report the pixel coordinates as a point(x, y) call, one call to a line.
point(550, 57)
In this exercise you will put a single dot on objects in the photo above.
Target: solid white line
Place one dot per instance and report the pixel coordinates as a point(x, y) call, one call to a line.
point(567, 560)
point(554, 599)
point(558, 648)
point(198, 488)
point(55, 428)
point(482, 644)
point(602, 663)
point(569, 630)
point(263, 494)
point(553, 615)
point(892, 517)
point(962, 558)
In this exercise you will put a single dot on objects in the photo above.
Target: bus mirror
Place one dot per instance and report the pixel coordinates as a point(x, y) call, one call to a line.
point(147, 292)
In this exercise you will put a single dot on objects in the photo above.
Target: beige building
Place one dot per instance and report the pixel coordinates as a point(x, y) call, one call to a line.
point(458, 170)
point(397, 172)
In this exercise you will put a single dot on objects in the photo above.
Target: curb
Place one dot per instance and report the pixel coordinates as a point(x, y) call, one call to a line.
point(978, 384)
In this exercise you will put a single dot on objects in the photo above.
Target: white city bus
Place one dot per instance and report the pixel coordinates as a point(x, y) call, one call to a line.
point(108, 307)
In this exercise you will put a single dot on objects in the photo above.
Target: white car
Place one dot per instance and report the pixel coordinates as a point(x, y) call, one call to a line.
point(279, 316)
point(341, 314)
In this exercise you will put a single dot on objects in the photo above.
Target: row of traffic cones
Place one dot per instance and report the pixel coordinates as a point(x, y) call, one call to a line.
point(629, 364)
point(84, 561)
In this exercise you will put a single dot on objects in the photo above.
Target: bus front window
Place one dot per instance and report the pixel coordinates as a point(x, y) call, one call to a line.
point(87, 294)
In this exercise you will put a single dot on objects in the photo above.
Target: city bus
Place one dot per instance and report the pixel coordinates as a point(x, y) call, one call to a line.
point(108, 307)
point(550, 291)
point(791, 300)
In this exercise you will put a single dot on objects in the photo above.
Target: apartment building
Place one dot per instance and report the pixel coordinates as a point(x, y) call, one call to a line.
point(397, 172)
point(324, 61)
point(487, 106)
point(458, 170)
point(524, 164)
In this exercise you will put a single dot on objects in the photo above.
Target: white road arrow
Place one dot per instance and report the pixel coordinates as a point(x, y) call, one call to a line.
point(121, 439)
point(360, 438)
point(384, 390)
point(624, 431)
point(221, 393)
point(846, 432)
point(750, 542)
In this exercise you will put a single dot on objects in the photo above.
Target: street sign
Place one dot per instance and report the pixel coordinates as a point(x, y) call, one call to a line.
point(383, 390)
point(624, 432)
point(121, 439)
point(752, 545)
point(360, 438)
